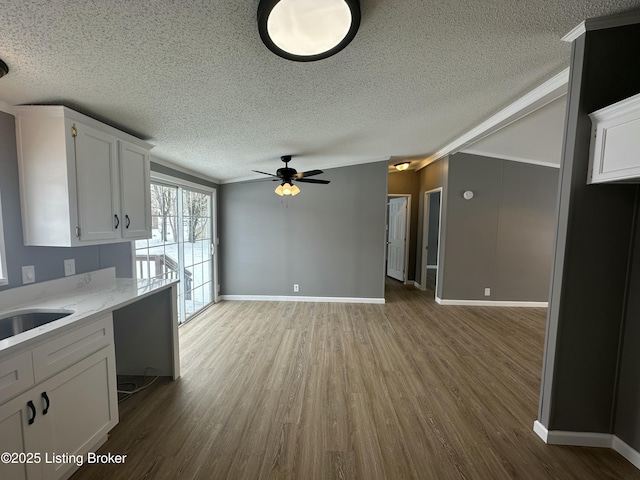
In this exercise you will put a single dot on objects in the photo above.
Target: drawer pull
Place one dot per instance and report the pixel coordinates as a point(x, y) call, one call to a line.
point(32, 407)
point(46, 399)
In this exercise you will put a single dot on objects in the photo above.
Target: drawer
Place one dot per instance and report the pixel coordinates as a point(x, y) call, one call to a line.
point(60, 352)
point(16, 375)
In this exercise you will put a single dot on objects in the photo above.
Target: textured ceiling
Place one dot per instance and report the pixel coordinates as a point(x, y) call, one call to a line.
point(193, 77)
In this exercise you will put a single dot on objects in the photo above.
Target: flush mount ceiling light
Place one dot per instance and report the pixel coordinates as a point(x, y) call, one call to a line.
point(307, 30)
point(3, 69)
point(402, 166)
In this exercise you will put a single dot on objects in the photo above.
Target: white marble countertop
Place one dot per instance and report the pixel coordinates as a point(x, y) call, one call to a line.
point(88, 295)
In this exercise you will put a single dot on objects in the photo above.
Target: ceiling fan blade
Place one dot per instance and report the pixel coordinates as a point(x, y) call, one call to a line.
point(265, 173)
point(310, 173)
point(312, 180)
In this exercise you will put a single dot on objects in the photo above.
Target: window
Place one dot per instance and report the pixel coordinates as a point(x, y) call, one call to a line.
point(181, 246)
point(4, 279)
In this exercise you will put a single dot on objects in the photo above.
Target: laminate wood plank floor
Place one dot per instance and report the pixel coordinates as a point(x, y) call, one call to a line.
point(409, 389)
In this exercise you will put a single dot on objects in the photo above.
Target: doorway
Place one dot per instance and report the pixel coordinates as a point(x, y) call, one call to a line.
point(431, 239)
point(183, 243)
point(398, 214)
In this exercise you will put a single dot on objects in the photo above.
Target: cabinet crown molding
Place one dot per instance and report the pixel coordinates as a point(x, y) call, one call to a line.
point(66, 112)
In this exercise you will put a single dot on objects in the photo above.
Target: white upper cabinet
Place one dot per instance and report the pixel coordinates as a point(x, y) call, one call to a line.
point(615, 143)
point(81, 182)
point(97, 184)
point(135, 196)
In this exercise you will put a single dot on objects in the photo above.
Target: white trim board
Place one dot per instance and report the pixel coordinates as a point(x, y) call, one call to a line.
point(285, 298)
point(417, 285)
point(491, 303)
point(540, 96)
point(587, 439)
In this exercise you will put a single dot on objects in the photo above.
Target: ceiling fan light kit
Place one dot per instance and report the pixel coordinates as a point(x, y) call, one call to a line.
point(287, 175)
point(287, 189)
point(307, 30)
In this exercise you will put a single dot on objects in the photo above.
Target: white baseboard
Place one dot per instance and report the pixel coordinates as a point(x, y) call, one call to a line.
point(587, 439)
point(417, 285)
point(285, 298)
point(626, 451)
point(491, 303)
point(541, 431)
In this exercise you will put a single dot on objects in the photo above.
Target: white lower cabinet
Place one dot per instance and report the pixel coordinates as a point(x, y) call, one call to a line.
point(83, 407)
point(18, 438)
point(65, 415)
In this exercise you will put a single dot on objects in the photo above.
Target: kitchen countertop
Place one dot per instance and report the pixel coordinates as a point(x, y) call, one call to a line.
point(88, 295)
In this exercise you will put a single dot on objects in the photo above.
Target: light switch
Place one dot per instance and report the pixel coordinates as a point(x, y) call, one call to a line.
point(28, 274)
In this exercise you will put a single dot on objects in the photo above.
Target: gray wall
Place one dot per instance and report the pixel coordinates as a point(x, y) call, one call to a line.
point(591, 263)
point(48, 261)
point(627, 421)
point(501, 239)
point(408, 182)
point(330, 239)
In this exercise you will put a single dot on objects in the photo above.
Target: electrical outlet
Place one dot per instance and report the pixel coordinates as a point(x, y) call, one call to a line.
point(28, 274)
point(69, 267)
point(487, 292)
point(296, 287)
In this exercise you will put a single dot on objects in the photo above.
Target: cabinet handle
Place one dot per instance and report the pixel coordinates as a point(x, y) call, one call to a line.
point(46, 399)
point(128, 221)
point(117, 221)
point(32, 407)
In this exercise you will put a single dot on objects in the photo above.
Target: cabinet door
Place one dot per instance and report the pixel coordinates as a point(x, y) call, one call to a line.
point(97, 184)
point(134, 192)
point(83, 407)
point(17, 436)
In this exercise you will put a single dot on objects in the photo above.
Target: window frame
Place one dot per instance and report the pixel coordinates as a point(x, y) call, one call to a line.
point(171, 181)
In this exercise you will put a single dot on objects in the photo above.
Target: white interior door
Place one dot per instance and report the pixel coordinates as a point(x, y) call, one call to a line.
point(396, 240)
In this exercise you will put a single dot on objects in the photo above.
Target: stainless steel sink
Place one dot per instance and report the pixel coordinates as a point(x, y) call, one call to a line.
point(20, 321)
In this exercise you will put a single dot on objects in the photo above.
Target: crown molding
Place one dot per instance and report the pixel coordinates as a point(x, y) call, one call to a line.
point(173, 166)
point(537, 98)
point(6, 108)
point(600, 23)
point(575, 32)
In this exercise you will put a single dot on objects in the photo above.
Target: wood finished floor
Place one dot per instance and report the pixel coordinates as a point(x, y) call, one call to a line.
point(409, 389)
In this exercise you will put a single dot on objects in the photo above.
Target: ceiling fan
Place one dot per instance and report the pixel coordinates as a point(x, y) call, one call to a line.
point(287, 175)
